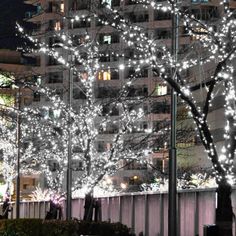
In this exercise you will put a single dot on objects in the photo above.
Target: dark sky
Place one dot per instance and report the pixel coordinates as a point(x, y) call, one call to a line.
point(11, 11)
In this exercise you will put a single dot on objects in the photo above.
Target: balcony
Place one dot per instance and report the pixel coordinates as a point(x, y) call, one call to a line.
point(32, 2)
point(107, 92)
point(53, 12)
point(138, 18)
point(80, 24)
point(78, 5)
point(131, 73)
point(130, 2)
point(44, 17)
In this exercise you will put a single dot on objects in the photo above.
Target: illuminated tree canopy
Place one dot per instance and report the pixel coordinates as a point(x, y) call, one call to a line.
point(211, 45)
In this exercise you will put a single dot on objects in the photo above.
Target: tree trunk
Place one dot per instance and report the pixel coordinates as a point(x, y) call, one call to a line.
point(224, 211)
point(88, 207)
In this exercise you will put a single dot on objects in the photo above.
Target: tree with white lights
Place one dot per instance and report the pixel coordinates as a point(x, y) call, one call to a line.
point(31, 124)
point(213, 46)
point(92, 118)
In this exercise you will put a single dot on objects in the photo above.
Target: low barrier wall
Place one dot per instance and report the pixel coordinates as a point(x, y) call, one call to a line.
point(147, 213)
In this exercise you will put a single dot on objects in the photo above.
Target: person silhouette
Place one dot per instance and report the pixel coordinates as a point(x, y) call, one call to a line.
point(5, 208)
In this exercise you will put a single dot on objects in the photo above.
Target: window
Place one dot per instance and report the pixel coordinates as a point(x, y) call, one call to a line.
point(162, 34)
point(54, 42)
point(53, 165)
point(59, 92)
point(78, 94)
point(104, 75)
point(137, 91)
point(107, 2)
point(39, 9)
point(103, 146)
point(36, 97)
point(80, 24)
point(25, 186)
point(140, 127)
point(109, 129)
point(55, 78)
point(205, 13)
point(159, 125)
point(27, 101)
point(160, 107)
point(62, 7)
point(57, 26)
point(50, 113)
point(115, 3)
point(107, 92)
point(108, 75)
point(84, 75)
point(76, 165)
point(160, 15)
point(56, 113)
point(112, 111)
point(130, 2)
point(108, 57)
point(80, 5)
point(161, 90)
point(107, 39)
point(111, 3)
point(142, 17)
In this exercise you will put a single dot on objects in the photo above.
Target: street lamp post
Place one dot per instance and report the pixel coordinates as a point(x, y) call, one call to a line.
point(18, 134)
point(172, 216)
point(69, 169)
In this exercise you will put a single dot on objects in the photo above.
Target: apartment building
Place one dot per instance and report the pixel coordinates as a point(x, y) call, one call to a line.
point(55, 15)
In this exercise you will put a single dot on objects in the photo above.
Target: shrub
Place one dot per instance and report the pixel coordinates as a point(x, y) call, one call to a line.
point(38, 227)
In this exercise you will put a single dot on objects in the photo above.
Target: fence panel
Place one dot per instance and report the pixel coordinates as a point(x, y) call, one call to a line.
point(75, 208)
point(32, 210)
point(114, 209)
point(187, 213)
point(155, 214)
point(165, 215)
point(105, 209)
point(126, 210)
point(139, 214)
point(206, 209)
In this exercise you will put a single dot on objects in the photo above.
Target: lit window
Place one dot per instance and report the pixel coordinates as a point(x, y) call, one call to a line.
point(104, 75)
point(161, 90)
point(200, 36)
point(84, 75)
point(107, 39)
point(108, 146)
point(57, 26)
point(62, 7)
point(107, 1)
point(7, 100)
point(56, 113)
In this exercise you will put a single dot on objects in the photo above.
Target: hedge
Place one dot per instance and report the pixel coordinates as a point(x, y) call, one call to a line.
point(38, 227)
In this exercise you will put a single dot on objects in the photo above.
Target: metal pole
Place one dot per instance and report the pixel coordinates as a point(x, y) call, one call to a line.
point(172, 216)
point(69, 170)
point(18, 134)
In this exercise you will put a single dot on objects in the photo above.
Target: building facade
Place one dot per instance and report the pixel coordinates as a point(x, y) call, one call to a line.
point(60, 16)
